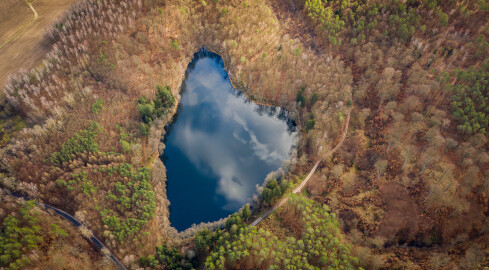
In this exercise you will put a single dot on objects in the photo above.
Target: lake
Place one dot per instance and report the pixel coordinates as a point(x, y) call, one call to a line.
point(220, 145)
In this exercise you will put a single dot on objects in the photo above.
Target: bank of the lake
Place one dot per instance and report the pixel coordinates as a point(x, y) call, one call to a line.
point(220, 145)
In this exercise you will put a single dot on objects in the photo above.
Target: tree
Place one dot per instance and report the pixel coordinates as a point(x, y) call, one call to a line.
point(310, 124)
point(82, 141)
point(395, 135)
point(271, 191)
point(150, 110)
point(407, 153)
point(300, 98)
point(57, 231)
point(320, 247)
point(167, 258)
point(144, 128)
point(314, 98)
point(442, 184)
point(245, 212)
point(19, 234)
point(388, 86)
point(443, 18)
point(380, 166)
point(428, 157)
point(146, 111)
point(97, 106)
point(202, 240)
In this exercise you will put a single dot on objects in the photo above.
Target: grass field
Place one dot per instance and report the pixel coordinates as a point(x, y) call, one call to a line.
point(27, 49)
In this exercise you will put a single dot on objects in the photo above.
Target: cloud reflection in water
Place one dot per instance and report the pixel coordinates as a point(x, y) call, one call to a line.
point(225, 138)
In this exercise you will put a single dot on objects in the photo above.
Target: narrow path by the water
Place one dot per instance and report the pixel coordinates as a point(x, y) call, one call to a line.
point(304, 182)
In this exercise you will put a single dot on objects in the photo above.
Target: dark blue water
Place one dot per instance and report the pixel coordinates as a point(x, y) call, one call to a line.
point(220, 145)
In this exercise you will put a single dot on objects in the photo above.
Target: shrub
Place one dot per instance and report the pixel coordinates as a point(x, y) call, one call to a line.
point(310, 123)
point(443, 18)
point(300, 98)
point(97, 106)
point(144, 128)
point(341, 117)
point(174, 45)
point(57, 231)
point(314, 98)
point(273, 190)
point(125, 145)
point(150, 110)
point(83, 141)
point(298, 51)
point(78, 181)
point(147, 112)
point(167, 259)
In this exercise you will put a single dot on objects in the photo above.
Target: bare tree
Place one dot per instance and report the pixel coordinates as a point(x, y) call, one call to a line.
point(380, 166)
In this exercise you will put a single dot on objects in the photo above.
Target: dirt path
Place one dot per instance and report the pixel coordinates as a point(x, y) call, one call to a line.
point(304, 182)
point(26, 48)
point(298, 189)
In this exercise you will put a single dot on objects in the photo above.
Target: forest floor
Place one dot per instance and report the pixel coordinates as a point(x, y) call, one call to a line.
point(27, 49)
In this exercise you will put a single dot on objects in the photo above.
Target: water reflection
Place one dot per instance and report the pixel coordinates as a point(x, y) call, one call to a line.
point(221, 145)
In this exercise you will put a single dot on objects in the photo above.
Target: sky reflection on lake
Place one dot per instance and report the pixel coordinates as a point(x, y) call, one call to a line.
point(220, 146)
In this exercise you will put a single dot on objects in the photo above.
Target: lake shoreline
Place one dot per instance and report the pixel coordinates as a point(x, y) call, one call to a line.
point(281, 113)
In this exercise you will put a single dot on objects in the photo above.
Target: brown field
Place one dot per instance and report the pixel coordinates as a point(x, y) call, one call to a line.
point(13, 16)
point(28, 48)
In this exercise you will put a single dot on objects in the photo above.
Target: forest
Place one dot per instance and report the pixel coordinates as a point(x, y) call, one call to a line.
point(406, 81)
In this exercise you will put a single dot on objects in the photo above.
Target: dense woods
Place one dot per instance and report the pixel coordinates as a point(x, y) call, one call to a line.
point(408, 188)
point(318, 243)
point(29, 235)
point(419, 79)
point(469, 96)
point(19, 236)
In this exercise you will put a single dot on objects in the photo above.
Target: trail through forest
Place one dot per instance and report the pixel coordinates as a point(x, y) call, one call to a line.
point(304, 182)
